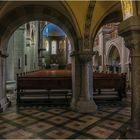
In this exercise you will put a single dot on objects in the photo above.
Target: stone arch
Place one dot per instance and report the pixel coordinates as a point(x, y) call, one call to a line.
point(34, 11)
point(114, 14)
point(110, 50)
point(113, 55)
point(14, 15)
point(114, 59)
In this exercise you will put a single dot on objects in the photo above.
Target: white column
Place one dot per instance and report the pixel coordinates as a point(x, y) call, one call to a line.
point(3, 98)
point(123, 57)
point(101, 50)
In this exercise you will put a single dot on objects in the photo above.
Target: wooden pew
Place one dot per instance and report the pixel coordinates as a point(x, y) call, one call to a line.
point(110, 81)
point(48, 85)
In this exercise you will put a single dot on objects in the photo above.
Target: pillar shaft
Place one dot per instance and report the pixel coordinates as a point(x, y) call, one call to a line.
point(83, 97)
point(75, 79)
point(135, 60)
point(87, 80)
point(130, 30)
point(3, 98)
point(10, 61)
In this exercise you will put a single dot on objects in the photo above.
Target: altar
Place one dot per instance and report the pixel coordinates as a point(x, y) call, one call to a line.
point(54, 66)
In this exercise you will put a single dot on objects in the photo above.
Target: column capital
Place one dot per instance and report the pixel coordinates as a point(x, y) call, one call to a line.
point(130, 30)
point(86, 55)
point(3, 55)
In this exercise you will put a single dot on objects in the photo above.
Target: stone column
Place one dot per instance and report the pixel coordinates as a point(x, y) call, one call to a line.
point(10, 60)
point(3, 98)
point(76, 74)
point(124, 58)
point(84, 102)
point(130, 30)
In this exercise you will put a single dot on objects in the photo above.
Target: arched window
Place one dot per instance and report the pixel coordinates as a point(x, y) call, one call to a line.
point(61, 46)
point(28, 29)
point(47, 45)
point(54, 47)
point(32, 35)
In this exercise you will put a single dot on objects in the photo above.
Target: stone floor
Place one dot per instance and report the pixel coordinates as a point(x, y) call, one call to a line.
point(42, 122)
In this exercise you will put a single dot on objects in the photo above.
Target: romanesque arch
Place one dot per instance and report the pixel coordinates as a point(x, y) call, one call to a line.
point(15, 15)
point(26, 11)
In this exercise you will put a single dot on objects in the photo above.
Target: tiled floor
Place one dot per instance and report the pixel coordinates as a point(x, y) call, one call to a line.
point(42, 122)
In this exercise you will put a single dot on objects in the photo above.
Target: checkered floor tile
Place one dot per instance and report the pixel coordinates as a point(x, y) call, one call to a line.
point(42, 122)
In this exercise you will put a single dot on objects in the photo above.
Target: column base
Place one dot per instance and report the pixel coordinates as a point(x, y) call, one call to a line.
point(4, 103)
point(10, 86)
point(86, 106)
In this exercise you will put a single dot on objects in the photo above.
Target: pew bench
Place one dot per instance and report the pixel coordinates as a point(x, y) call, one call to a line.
point(53, 85)
point(49, 87)
point(109, 83)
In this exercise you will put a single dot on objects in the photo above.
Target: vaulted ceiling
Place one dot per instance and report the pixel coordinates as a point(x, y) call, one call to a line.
point(81, 18)
point(101, 10)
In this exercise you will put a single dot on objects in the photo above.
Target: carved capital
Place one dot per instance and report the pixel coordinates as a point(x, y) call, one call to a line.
point(86, 56)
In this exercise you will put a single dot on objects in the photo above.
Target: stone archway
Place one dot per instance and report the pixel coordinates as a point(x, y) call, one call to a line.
point(114, 59)
point(24, 12)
